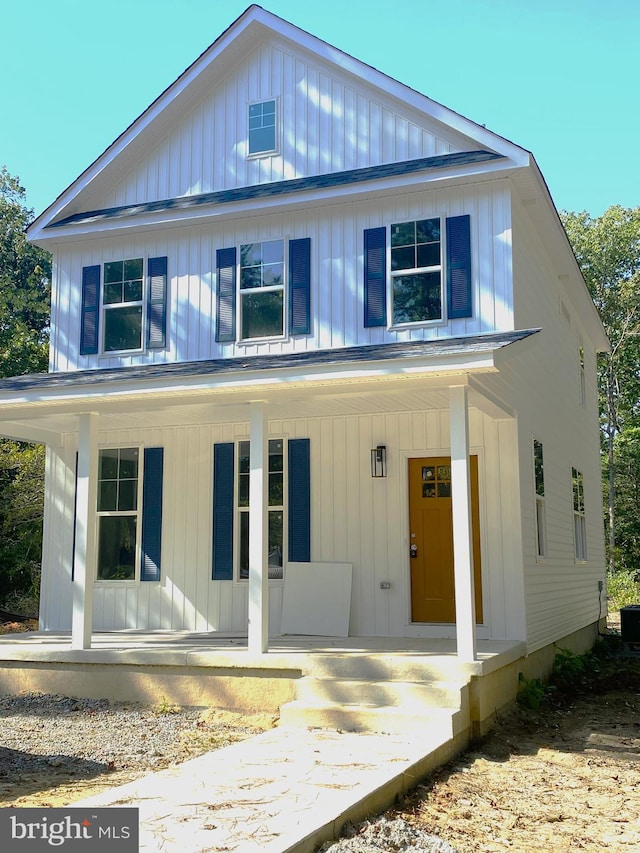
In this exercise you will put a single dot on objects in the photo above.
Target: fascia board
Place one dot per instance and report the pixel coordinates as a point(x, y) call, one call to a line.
point(378, 79)
point(575, 286)
point(31, 434)
point(390, 86)
point(168, 96)
point(92, 397)
point(472, 173)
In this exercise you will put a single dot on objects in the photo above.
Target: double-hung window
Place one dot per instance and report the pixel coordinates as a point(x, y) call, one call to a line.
point(582, 389)
point(262, 127)
point(416, 271)
point(262, 289)
point(118, 513)
point(276, 485)
point(579, 521)
point(122, 303)
point(124, 310)
point(541, 523)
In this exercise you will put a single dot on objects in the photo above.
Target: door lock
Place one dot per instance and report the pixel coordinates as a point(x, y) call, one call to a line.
point(413, 551)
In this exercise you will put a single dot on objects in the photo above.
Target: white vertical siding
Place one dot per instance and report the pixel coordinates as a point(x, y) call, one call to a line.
point(337, 289)
point(354, 519)
point(328, 121)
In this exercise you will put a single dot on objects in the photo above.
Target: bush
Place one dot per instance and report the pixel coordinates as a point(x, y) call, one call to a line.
point(623, 588)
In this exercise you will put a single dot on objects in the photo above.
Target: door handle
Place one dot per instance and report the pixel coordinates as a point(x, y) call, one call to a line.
point(413, 551)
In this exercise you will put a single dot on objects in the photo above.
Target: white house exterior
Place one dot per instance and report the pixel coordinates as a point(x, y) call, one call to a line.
point(288, 262)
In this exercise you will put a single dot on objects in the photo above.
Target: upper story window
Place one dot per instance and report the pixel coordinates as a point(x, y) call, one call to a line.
point(262, 127)
point(122, 309)
point(582, 388)
point(122, 305)
point(262, 289)
point(416, 271)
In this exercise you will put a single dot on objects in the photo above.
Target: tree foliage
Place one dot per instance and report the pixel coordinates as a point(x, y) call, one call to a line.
point(608, 251)
point(25, 272)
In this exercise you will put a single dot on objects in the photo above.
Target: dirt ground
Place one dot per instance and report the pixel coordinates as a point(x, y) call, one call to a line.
point(565, 778)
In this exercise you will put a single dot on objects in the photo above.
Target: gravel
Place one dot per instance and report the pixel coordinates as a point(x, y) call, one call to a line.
point(87, 737)
point(388, 835)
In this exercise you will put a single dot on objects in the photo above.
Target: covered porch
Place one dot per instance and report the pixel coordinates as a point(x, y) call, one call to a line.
point(81, 412)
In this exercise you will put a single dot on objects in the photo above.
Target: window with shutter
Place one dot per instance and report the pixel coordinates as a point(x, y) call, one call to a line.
point(288, 507)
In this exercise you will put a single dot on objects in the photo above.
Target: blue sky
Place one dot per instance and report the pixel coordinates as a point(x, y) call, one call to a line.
point(558, 77)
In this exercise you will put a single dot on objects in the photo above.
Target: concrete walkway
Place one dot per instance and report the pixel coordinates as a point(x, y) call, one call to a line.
point(285, 790)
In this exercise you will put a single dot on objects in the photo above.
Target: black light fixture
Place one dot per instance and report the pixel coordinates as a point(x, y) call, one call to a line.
point(379, 461)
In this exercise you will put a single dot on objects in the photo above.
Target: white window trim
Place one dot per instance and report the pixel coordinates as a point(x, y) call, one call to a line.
point(542, 545)
point(582, 393)
point(135, 580)
point(273, 288)
point(104, 307)
point(579, 523)
point(256, 155)
point(392, 274)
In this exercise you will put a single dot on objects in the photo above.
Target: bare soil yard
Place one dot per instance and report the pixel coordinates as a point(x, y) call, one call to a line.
point(565, 778)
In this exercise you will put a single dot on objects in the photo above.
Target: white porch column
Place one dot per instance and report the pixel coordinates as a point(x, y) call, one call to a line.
point(85, 539)
point(258, 567)
point(462, 530)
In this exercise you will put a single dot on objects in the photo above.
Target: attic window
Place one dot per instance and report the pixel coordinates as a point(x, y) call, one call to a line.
point(262, 127)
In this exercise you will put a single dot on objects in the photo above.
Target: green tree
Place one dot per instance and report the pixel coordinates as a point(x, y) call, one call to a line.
point(608, 251)
point(25, 272)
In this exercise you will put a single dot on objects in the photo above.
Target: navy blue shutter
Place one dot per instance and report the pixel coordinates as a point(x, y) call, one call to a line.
point(223, 511)
point(226, 295)
point(300, 286)
point(459, 267)
point(157, 304)
point(90, 308)
point(375, 277)
point(299, 500)
point(152, 513)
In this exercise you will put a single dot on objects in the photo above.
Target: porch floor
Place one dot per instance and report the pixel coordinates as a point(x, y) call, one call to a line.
point(174, 648)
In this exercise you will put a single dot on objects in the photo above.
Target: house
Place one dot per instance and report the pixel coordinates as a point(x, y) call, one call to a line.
point(322, 362)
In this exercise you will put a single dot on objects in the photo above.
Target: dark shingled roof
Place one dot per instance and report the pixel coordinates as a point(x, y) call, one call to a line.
point(213, 367)
point(331, 179)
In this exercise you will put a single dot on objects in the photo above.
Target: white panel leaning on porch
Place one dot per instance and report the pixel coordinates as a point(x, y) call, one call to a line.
point(317, 599)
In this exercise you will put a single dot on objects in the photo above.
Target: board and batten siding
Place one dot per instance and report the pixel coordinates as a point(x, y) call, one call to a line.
point(354, 519)
point(327, 120)
point(337, 289)
point(542, 378)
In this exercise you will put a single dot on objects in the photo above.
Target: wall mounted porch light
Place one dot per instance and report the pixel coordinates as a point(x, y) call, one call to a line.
point(379, 461)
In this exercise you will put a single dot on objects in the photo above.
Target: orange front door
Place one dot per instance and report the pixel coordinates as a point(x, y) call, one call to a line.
point(431, 539)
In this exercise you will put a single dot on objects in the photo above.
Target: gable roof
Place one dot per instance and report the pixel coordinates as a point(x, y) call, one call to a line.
point(253, 24)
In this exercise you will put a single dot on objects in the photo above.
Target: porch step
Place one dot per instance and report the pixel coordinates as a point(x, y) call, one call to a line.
point(395, 694)
point(437, 709)
point(386, 667)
